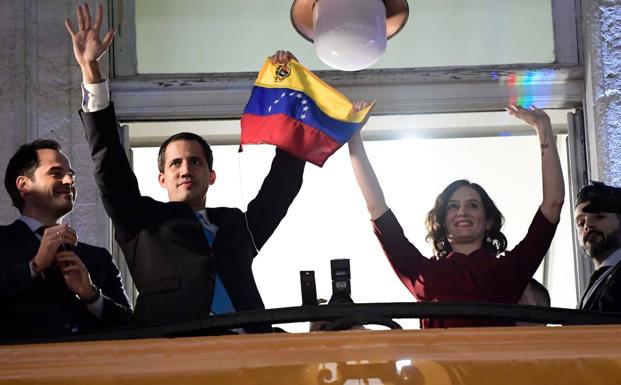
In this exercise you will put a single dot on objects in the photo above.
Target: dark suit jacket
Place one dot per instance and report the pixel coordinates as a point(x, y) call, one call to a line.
point(607, 295)
point(164, 244)
point(45, 307)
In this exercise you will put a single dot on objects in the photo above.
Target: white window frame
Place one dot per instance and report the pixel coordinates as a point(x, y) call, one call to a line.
point(193, 96)
point(398, 91)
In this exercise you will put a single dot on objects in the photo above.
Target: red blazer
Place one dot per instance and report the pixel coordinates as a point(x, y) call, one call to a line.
point(478, 277)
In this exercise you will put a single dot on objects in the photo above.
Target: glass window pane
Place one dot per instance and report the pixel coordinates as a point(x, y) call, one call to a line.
point(197, 36)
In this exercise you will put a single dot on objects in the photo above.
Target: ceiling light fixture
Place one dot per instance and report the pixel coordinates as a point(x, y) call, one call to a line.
point(349, 35)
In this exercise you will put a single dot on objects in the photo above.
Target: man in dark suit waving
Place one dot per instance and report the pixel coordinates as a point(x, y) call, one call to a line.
point(598, 222)
point(51, 284)
point(186, 260)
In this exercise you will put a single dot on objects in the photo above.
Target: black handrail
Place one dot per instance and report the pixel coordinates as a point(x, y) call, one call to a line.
point(361, 313)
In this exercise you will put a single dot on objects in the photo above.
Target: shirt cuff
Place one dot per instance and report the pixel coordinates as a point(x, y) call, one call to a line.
point(34, 270)
point(95, 97)
point(97, 307)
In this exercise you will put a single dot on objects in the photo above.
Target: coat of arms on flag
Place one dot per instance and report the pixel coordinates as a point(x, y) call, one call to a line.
point(291, 108)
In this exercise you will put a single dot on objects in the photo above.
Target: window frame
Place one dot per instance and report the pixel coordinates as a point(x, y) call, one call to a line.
point(208, 96)
point(398, 91)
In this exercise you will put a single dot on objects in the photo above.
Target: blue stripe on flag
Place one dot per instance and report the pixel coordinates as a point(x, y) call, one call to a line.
point(296, 104)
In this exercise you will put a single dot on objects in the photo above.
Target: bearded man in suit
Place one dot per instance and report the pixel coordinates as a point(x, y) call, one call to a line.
point(598, 222)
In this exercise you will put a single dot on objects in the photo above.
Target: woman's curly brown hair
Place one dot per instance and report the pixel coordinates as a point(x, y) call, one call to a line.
point(494, 242)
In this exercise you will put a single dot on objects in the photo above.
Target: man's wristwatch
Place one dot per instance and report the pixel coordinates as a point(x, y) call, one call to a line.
point(94, 298)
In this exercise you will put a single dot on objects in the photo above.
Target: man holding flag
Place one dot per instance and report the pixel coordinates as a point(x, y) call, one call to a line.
point(187, 260)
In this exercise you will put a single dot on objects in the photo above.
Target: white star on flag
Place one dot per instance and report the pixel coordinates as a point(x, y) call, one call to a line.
point(291, 93)
point(269, 109)
point(276, 101)
point(305, 108)
point(304, 101)
point(283, 94)
point(298, 96)
point(303, 116)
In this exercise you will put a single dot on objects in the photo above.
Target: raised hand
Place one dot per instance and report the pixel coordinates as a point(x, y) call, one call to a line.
point(532, 116)
point(362, 104)
point(88, 46)
point(551, 172)
point(538, 119)
point(363, 171)
point(359, 106)
point(52, 239)
point(282, 57)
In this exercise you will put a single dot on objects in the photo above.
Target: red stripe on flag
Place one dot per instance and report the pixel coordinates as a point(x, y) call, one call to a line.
point(291, 135)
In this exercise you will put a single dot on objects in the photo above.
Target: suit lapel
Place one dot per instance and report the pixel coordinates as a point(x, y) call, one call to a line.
point(598, 286)
point(24, 245)
point(22, 236)
point(216, 216)
point(197, 240)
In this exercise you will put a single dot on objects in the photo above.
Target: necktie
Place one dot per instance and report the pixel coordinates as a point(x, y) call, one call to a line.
point(221, 301)
point(52, 272)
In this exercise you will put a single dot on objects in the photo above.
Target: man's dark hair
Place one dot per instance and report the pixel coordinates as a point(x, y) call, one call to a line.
point(24, 163)
point(494, 242)
point(603, 198)
point(185, 136)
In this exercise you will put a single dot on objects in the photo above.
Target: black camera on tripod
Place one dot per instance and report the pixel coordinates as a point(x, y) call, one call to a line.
point(341, 286)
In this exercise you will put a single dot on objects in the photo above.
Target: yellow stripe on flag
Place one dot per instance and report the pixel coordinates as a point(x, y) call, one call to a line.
point(328, 99)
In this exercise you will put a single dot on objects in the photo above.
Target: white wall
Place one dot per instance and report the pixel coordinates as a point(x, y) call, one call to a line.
point(40, 97)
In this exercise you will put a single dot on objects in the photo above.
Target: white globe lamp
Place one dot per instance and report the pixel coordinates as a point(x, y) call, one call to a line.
point(349, 35)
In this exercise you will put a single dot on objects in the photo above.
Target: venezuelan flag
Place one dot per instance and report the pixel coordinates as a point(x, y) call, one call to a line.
point(293, 109)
